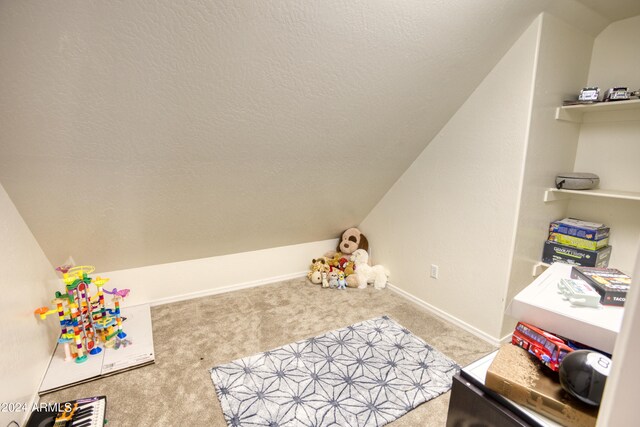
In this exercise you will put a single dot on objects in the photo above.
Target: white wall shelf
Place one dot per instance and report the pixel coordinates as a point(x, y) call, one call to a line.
point(575, 113)
point(552, 194)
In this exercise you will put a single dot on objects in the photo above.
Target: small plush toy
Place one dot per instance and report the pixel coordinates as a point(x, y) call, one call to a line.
point(315, 277)
point(352, 281)
point(333, 278)
point(346, 266)
point(342, 283)
point(320, 264)
point(367, 274)
point(351, 240)
point(333, 258)
point(325, 282)
point(317, 267)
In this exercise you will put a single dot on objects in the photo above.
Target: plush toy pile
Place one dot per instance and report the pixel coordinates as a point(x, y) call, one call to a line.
point(348, 266)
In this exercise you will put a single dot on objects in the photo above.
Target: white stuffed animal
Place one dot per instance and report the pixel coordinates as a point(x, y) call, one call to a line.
point(367, 274)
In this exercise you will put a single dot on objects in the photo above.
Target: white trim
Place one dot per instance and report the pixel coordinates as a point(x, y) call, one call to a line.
point(225, 289)
point(446, 316)
point(177, 281)
point(505, 339)
point(523, 164)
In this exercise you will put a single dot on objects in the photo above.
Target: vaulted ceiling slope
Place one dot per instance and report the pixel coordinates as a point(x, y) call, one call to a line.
point(139, 133)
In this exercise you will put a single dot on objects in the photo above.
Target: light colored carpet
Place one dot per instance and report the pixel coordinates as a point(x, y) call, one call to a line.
point(192, 336)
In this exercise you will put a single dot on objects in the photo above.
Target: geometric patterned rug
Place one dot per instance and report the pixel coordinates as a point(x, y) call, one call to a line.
point(366, 374)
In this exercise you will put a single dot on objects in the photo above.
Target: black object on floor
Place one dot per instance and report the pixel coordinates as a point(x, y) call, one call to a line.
point(89, 412)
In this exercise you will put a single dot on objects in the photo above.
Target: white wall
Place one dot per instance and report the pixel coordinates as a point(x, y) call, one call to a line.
point(27, 281)
point(456, 205)
point(139, 133)
point(162, 283)
point(562, 66)
point(609, 145)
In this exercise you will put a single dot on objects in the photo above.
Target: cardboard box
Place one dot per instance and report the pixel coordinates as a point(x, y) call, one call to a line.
point(581, 229)
point(611, 284)
point(554, 252)
point(516, 375)
point(577, 242)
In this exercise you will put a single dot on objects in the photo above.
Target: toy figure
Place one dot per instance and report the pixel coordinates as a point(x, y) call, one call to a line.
point(325, 282)
point(333, 278)
point(342, 283)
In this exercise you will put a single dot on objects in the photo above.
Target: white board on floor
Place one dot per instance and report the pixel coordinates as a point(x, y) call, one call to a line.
point(138, 352)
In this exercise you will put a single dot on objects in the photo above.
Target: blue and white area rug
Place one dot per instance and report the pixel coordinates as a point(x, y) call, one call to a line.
point(367, 374)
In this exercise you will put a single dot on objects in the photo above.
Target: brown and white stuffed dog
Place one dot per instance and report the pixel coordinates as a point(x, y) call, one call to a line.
point(351, 240)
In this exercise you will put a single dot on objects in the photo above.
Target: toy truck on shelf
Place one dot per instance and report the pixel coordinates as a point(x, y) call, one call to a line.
point(548, 348)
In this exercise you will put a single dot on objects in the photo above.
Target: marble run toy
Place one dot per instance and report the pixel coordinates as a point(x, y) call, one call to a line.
point(85, 321)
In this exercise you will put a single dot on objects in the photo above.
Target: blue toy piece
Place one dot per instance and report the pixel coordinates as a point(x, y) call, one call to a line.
point(342, 283)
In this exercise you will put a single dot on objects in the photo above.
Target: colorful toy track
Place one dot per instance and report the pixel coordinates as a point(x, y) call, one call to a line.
point(85, 321)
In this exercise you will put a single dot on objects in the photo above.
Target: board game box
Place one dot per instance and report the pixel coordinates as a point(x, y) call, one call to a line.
point(556, 252)
point(577, 242)
point(581, 229)
point(610, 283)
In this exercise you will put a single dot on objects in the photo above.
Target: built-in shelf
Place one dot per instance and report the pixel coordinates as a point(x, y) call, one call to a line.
point(574, 113)
point(552, 194)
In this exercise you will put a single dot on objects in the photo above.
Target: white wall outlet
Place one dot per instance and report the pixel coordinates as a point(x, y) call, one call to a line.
point(434, 271)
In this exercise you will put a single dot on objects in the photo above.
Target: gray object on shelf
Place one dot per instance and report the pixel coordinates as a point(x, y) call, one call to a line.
point(577, 181)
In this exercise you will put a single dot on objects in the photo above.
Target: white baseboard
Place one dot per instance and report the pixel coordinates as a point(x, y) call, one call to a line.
point(177, 281)
point(225, 289)
point(496, 342)
point(506, 339)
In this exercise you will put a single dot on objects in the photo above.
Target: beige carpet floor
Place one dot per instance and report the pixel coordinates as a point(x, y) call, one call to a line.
point(192, 336)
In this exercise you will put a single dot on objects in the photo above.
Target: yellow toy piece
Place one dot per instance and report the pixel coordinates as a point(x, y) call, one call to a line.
point(43, 312)
point(100, 281)
point(81, 269)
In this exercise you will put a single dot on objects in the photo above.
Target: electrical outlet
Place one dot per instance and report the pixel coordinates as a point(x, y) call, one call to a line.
point(434, 271)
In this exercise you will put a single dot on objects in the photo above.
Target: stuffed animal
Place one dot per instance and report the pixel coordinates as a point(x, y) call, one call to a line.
point(333, 278)
point(321, 264)
point(346, 266)
point(342, 283)
point(352, 281)
point(315, 277)
point(333, 258)
point(317, 267)
point(376, 274)
point(351, 240)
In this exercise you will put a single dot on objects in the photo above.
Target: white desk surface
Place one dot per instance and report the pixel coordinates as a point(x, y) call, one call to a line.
point(542, 305)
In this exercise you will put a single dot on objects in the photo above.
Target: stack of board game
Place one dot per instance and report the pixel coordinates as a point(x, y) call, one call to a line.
point(577, 242)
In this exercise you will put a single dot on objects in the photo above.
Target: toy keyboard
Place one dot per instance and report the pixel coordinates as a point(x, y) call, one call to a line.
point(89, 412)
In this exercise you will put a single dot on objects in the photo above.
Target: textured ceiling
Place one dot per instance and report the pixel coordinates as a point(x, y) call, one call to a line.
point(139, 133)
point(614, 10)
